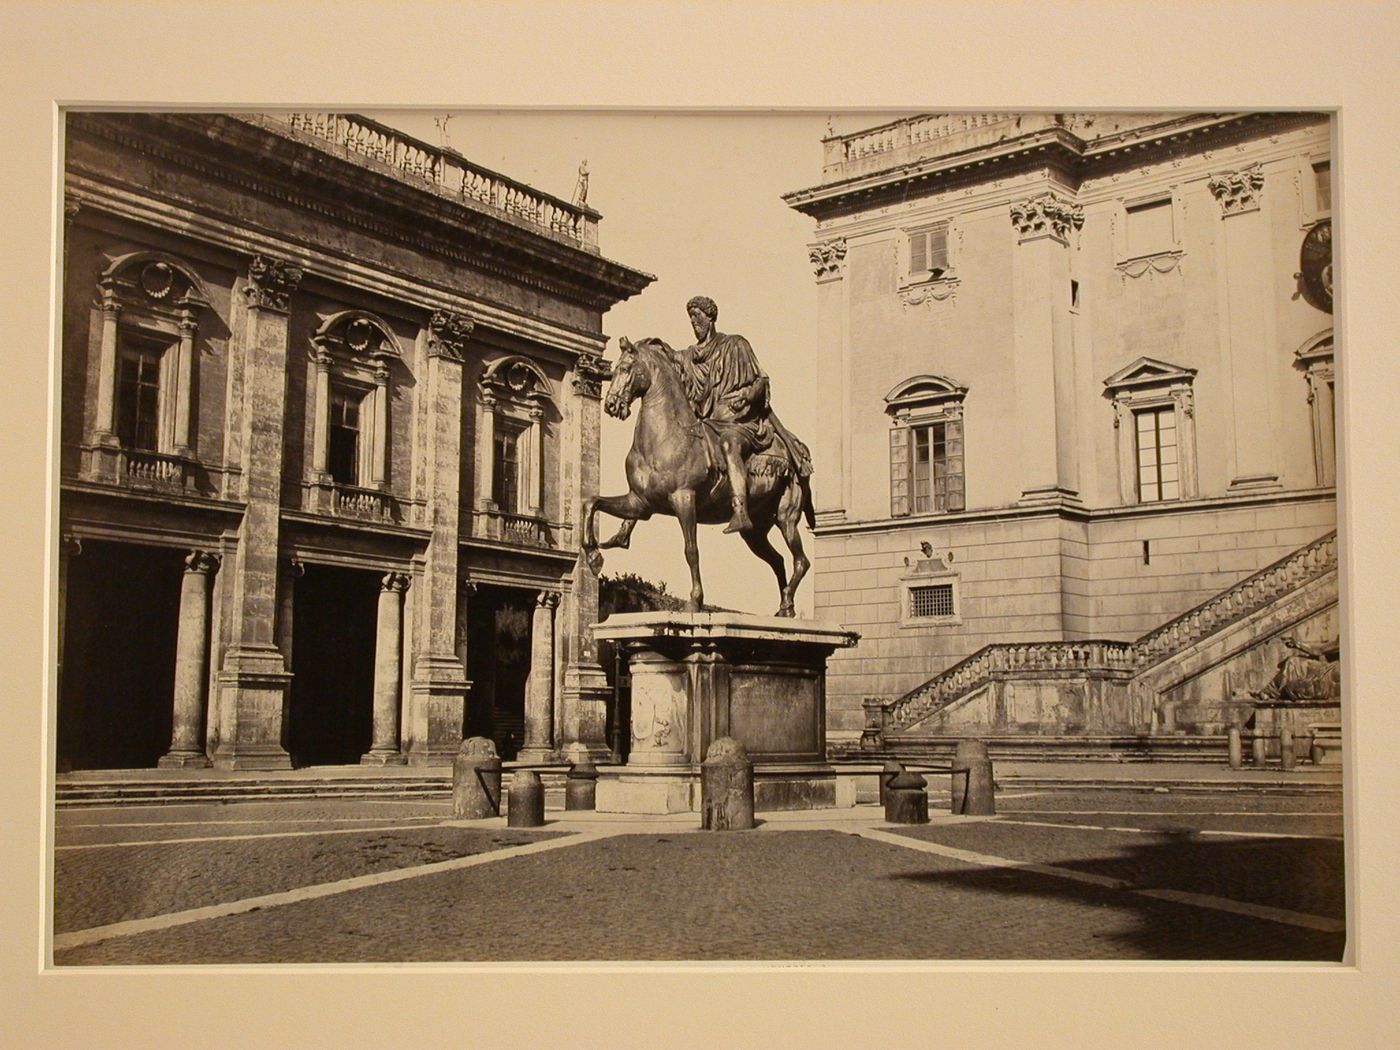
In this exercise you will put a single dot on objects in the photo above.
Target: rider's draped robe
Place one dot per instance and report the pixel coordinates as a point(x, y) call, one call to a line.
point(714, 372)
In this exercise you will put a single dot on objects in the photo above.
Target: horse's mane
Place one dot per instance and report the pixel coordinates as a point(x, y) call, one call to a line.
point(663, 348)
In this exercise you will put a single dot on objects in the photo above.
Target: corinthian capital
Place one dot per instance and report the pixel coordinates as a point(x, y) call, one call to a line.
point(448, 334)
point(271, 282)
point(1046, 215)
point(828, 257)
point(590, 372)
point(1238, 191)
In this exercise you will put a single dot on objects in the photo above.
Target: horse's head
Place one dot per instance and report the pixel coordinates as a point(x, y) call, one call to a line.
point(632, 375)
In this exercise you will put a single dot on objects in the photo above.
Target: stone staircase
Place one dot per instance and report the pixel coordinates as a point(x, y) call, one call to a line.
point(1118, 678)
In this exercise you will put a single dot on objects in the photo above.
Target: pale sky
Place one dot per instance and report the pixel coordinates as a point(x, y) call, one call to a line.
point(694, 199)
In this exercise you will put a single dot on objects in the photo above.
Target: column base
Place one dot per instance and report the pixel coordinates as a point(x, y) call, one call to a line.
point(383, 758)
point(536, 755)
point(183, 760)
point(1255, 483)
point(1049, 494)
point(253, 756)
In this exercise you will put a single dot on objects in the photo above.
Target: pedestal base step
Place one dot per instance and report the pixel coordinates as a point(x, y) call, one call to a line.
point(677, 790)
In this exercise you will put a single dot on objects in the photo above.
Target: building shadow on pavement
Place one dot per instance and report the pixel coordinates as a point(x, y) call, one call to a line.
point(1297, 875)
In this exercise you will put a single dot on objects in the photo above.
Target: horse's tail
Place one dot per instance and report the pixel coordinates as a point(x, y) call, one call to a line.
point(808, 511)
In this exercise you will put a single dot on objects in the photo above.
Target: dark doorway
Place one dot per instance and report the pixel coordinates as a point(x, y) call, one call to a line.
point(121, 617)
point(331, 718)
point(498, 662)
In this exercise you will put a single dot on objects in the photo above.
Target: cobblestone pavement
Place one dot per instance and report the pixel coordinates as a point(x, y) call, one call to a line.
point(821, 886)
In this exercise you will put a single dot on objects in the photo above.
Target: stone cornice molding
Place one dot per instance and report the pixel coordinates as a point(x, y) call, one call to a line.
point(448, 334)
point(1239, 191)
point(271, 282)
point(372, 203)
point(828, 258)
point(1046, 215)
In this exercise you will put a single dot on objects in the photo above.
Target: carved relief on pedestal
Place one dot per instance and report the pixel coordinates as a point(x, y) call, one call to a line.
point(1046, 215)
point(658, 718)
point(1240, 191)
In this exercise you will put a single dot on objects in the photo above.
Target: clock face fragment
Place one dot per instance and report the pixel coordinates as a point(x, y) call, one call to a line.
point(1315, 264)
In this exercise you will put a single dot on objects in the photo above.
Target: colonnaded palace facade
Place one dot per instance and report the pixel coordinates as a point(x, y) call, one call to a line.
point(330, 397)
point(1081, 366)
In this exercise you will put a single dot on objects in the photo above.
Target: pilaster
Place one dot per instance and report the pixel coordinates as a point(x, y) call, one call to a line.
point(1044, 352)
point(438, 689)
point(1247, 335)
point(254, 680)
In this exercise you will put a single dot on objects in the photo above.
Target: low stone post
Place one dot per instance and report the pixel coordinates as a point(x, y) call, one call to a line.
point(1314, 748)
point(906, 800)
point(1286, 755)
point(581, 787)
point(1232, 735)
point(525, 808)
point(892, 769)
point(1260, 751)
point(476, 780)
point(973, 787)
point(726, 787)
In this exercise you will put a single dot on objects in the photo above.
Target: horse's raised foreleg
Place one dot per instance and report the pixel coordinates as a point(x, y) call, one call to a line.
point(683, 504)
point(757, 539)
point(790, 519)
point(622, 537)
point(629, 508)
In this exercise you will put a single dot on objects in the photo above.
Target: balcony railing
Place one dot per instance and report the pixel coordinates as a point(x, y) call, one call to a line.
point(349, 501)
point(450, 173)
point(157, 470)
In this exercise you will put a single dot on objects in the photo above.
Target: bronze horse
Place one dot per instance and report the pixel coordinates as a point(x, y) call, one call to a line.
point(670, 471)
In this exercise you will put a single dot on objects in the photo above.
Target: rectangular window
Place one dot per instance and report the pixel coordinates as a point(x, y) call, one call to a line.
point(345, 438)
point(928, 252)
point(932, 600)
point(1158, 469)
point(937, 467)
point(1150, 228)
point(505, 476)
point(1322, 183)
point(138, 409)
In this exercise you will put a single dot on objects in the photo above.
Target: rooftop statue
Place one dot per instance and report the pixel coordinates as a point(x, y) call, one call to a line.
point(707, 449)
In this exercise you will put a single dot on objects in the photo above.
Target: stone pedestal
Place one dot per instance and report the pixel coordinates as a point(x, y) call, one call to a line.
point(1304, 719)
point(697, 677)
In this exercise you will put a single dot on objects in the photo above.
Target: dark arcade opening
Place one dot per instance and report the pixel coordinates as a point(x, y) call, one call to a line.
point(330, 717)
point(498, 662)
point(121, 618)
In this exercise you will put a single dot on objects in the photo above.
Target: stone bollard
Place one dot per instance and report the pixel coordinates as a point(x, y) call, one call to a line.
point(525, 806)
point(726, 787)
point(906, 801)
point(476, 780)
point(581, 787)
point(1232, 736)
point(1314, 749)
point(1260, 749)
point(1286, 756)
point(974, 790)
point(892, 769)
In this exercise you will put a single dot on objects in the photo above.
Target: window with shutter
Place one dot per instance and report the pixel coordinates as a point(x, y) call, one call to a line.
point(928, 252)
point(926, 446)
point(899, 472)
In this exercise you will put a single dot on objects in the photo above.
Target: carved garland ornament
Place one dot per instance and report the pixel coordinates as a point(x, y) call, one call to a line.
point(271, 282)
point(828, 257)
point(1046, 214)
point(448, 334)
point(1240, 191)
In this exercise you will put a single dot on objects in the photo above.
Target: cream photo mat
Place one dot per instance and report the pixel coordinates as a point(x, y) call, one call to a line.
point(713, 56)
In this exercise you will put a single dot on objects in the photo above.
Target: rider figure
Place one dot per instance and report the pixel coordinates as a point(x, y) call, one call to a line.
point(729, 393)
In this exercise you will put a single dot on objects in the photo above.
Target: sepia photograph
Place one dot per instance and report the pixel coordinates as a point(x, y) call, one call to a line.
point(1030, 617)
point(902, 540)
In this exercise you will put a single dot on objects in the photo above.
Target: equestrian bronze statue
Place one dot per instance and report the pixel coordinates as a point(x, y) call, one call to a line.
point(707, 449)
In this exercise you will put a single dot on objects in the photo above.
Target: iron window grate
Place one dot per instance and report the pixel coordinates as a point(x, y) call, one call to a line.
point(932, 600)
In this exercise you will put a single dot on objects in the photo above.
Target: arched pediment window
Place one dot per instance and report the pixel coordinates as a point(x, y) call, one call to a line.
point(353, 351)
point(516, 400)
point(926, 446)
point(152, 303)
